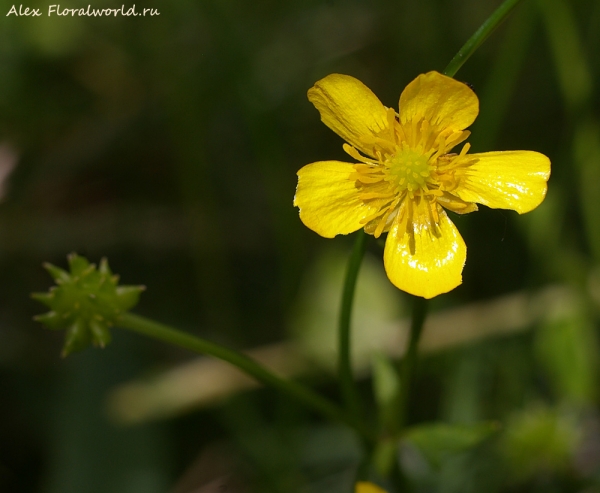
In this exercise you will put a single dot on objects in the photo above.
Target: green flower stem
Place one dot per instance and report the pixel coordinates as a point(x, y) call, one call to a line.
point(291, 388)
point(346, 375)
point(419, 313)
point(406, 368)
point(475, 41)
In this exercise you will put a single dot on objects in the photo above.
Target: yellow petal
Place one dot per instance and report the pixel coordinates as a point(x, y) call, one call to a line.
point(443, 101)
point(506, 180)
point(350, 109)
point(364, 487)
point(423, 258)
point(328, 200)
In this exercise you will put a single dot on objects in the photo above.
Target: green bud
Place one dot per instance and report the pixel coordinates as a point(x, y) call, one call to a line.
point(86, 302)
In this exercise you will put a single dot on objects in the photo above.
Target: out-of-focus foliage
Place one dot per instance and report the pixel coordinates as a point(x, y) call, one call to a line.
point(437, 441)
point(314, 319)
point(170, 145)
point(539, 442)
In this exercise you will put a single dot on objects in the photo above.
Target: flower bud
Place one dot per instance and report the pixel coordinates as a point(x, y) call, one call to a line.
point(85, 302)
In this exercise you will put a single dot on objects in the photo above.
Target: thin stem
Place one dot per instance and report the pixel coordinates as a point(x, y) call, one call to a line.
point(406, 369)
point(399, 479)
point(347, 382)
point(475, 41)
point(419, 313)
point(293, 389)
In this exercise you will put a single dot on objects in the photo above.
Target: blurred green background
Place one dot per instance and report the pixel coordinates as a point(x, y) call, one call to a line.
point(170, 144)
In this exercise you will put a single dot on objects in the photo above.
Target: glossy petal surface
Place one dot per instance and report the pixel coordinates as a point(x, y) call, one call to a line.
point(406, 175)
point(426, 261)
point(446, 103)
point(506, 180)
point(349, 108)
point(328, 200)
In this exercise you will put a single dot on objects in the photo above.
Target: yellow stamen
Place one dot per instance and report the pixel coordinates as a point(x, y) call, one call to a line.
point(356, 155)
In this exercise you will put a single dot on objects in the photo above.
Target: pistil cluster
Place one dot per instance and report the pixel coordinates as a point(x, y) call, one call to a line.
point(411, 163)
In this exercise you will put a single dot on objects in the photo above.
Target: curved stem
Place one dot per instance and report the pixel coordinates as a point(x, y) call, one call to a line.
point(346, 375)
point(475, 41)
point(291, 388)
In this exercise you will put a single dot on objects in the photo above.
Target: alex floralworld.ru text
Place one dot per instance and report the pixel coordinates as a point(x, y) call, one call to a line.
point(89, 11)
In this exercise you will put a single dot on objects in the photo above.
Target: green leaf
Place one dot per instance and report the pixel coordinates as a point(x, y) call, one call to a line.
point(438, 441)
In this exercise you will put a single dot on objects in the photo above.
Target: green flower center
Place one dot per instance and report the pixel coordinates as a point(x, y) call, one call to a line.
point(409, 168)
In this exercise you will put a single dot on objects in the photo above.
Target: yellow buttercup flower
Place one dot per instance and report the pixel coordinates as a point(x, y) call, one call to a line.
point(406, 176)
point(364, 487)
